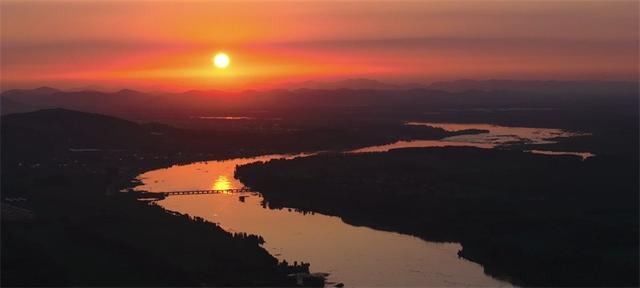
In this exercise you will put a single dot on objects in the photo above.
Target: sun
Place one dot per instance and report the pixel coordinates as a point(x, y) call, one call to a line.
point(221, 60)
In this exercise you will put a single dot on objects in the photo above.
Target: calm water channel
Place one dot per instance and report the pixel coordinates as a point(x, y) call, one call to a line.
point(355, 256)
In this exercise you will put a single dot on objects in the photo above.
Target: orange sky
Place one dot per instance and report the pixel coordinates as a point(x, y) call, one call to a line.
point(169, 44)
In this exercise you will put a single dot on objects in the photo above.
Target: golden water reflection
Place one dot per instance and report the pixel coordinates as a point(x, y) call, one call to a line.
point(222, 183)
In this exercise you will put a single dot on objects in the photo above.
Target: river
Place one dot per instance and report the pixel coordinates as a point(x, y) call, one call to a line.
point(355, 256)
point(495, 137)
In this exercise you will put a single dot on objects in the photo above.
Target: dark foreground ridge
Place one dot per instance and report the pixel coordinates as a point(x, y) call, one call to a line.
point(531, 219)
point(78, 237)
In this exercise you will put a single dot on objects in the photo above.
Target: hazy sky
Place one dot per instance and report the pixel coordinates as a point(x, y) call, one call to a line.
point(169, 44)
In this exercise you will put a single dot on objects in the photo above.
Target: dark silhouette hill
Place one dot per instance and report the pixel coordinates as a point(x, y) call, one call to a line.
point(58, 130)
point(9, 106)
point(17, 100)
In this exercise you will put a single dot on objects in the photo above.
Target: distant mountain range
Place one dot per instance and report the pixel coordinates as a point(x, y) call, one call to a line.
point(462, 85)
point(24, 100)
point(358, 83)
point(314, 95)
point(535, 86)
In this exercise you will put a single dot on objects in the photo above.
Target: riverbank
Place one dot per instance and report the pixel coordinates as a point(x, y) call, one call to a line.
point(535, 220)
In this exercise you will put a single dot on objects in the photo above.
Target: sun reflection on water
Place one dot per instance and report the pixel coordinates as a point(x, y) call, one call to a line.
point(222, 183)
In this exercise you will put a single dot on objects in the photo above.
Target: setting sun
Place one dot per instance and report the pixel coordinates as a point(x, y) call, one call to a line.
point(221, 60)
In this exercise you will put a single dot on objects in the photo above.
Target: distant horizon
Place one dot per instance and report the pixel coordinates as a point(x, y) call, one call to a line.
point(283, 86)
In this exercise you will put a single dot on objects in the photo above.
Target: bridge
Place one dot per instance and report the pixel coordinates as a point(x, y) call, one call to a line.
point(212, 191)
point(192, 192)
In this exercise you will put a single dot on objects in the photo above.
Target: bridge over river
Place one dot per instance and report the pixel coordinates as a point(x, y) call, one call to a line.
point(164, 194)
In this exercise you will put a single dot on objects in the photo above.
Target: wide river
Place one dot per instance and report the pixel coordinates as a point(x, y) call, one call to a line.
point(353, 255)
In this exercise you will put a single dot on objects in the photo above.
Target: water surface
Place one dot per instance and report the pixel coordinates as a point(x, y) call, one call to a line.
point(225, 117)
point(352, 255)
point(497, 136)
point(421, 143)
